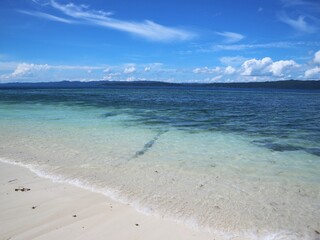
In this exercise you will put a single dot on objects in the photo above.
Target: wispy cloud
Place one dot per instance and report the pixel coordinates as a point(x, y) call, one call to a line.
point(306, 3)
point(298, 24)
point(146, 29)
point(240, 47)
point(46, 16)
point(232, 61)
point(206, 70)
point(231, 37)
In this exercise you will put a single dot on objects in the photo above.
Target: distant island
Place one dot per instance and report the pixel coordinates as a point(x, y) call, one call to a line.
point(284, 84)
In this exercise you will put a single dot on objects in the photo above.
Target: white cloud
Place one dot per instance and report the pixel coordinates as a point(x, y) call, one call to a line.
point(147, 69)
point(266, 66)
point(216, 78)
point(155, 67)
point(298, 24)
point(146, 29)
point(115, 76)
point(130, 69)
point(240, 47)
point(47, 16)
point(14, 71)
point(229, 70)
point(255, 67)
point(131, 79)
point(278, 67)
point(264, 69)
point(231, 37)
point(107, 70)
point(25, 69)
point(206, 70)
point(75, 67)
point(313, 72)
point(316, 58)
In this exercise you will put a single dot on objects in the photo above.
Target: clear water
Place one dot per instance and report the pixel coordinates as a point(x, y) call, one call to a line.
point(236, 163)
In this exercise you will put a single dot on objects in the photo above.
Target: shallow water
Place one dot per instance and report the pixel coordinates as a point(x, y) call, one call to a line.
point(237, 163)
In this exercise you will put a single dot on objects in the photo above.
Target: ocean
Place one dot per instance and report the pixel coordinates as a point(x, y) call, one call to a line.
point(237, 163)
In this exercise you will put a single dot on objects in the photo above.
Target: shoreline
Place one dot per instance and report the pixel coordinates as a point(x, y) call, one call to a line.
point(51, 210)
point(37, 205)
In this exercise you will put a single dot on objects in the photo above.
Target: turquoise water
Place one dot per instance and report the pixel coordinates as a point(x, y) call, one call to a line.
point(236, 163)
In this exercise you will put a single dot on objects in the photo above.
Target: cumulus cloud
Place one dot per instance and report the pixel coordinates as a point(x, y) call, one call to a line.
point(316, 58)
point(313, 72)
point(277, 68)
point(82, 14)
point(154, 67)
point(265, 66)
point(25, 69)
point(255, 66)
point(229, 70)
point(130, 69)
point(231, 37)
point(14, 71)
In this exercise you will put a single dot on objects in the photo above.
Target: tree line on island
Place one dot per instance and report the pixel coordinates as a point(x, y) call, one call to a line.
point(284, 84)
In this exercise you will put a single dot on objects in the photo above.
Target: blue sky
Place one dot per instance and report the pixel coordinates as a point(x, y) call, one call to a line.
point(176, 41)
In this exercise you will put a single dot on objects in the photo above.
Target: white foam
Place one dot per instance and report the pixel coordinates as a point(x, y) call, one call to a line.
point(113, 194)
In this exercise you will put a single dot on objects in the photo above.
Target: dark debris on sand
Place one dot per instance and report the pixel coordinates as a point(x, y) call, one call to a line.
point(22, 189)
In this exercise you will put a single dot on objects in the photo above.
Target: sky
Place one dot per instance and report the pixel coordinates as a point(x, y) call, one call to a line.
point(172, 41)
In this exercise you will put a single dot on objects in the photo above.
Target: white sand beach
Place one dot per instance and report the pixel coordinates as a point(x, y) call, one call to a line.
point(61, 211)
